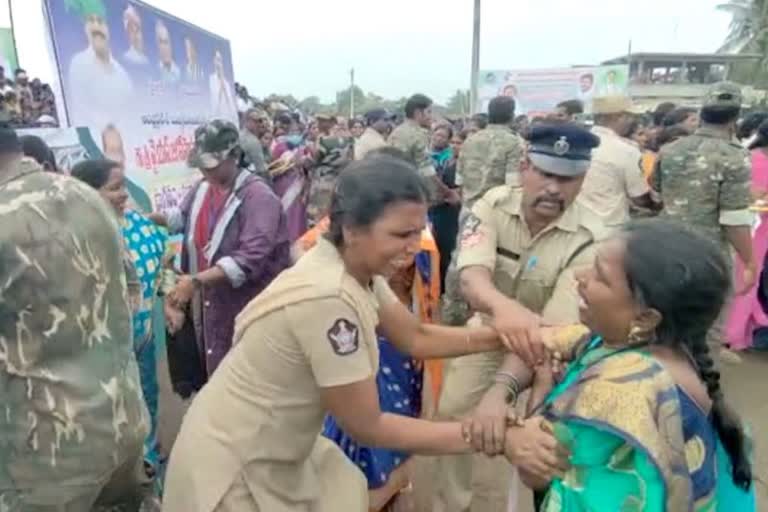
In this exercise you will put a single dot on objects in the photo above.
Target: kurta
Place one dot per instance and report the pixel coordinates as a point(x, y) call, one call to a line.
point(249, 242)
point(250, 440)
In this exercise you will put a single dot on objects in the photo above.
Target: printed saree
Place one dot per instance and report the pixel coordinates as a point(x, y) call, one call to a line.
point(637, 442)
point(146, 246)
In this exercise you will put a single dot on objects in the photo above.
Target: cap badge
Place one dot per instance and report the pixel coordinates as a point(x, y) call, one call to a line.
point(561, 147)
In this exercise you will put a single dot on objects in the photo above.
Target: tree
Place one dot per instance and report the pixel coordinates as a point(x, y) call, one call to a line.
point(458, 104)
point(343, 97)
point(286, 99)
point(748, 33)
point(311, 105)
point(749, 24)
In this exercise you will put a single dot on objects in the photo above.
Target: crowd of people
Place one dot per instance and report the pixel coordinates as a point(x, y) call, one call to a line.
point(354, 292)
point(26, 103)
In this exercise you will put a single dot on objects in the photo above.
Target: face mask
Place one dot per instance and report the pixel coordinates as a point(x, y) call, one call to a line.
point(294, 140)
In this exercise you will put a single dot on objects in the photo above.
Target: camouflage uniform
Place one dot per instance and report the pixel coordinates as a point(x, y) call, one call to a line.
point(413, 140)
point(488, 159)
point(705, 179)
point(73, 420)
point(333, 154)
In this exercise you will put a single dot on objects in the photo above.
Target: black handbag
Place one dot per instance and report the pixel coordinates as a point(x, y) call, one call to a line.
point(184, 362)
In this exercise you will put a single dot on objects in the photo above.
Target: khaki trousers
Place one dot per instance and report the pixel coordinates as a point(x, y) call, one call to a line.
point(465, 483)
point(342, 487)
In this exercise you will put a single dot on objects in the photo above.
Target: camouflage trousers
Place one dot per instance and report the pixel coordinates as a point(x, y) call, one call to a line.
point(455, 310)
point(321, 189)
point(124, 490)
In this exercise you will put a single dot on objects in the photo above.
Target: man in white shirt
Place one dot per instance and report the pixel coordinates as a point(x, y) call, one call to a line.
point(615, 179)
point(222, 92)
point(169, 71)
point(510, 90)
point(379, 123)
point(98, 84)
point(132, 23)
point(587, 91)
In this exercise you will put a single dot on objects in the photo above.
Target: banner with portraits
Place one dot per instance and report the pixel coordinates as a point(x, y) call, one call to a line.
point(141, 81)
point(538, 91)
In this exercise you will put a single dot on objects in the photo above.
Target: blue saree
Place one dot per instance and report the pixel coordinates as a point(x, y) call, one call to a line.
point(146, 247)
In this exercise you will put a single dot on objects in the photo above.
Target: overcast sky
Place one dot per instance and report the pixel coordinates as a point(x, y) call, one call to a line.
point(398, 47)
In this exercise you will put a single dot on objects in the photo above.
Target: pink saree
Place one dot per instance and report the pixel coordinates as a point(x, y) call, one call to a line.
point(745, 314)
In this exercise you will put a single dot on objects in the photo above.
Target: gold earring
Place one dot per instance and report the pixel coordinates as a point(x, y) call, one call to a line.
point(636, 335)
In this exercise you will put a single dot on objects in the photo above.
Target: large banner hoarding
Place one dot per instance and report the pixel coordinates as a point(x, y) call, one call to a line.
point(141, 81)
point(538, 91)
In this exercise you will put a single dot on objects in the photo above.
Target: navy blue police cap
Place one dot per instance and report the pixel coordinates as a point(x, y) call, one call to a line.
point(562, 149)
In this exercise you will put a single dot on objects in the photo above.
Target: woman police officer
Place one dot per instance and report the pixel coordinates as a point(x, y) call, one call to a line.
point(307, 346)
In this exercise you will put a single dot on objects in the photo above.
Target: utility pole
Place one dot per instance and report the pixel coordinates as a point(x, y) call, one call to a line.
point(352, 93)
point(475, 59)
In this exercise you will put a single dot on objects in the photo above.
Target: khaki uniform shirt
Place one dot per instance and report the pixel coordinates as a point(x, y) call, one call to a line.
point(260, 416)
point(71, 408)
point(615, 176)
point(413, 140)
point(488, 159)
point(368, 141)
point(537, 271)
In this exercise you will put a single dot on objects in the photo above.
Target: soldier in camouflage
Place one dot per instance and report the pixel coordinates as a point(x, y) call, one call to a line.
point(73, 421)
point(488, 159)
point(412, 138)
point(704, 181)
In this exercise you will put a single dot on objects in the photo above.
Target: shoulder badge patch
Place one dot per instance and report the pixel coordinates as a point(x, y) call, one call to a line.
point(471, 234)
point(343, 336)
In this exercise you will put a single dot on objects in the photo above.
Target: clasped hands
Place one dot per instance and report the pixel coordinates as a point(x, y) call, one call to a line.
point(522, 332)
point(529, 444)
point(494, 427)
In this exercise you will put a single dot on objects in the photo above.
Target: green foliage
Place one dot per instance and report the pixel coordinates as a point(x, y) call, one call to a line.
point(458, 104)
point(748, 33)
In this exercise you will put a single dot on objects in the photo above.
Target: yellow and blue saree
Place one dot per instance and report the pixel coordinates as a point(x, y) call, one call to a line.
point(638, 442)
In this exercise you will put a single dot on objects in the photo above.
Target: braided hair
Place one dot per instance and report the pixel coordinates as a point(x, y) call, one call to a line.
point(685, 278)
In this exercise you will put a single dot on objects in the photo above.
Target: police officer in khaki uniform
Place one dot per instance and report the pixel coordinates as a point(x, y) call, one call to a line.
point(518, 250)
point(307, 346)
point(488, 159)
point(615, 183)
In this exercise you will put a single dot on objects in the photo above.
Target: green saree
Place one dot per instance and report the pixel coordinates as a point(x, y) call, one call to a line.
point(620, 414)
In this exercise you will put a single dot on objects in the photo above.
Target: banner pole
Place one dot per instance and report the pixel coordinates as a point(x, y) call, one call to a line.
point(13, 37)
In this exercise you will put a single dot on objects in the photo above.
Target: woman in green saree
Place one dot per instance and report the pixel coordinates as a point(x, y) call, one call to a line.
point(640, 406)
